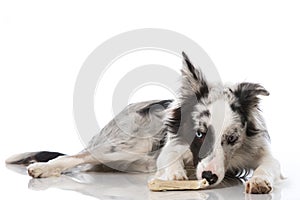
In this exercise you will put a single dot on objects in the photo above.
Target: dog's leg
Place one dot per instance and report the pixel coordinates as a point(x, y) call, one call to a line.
point(56, 166)
point(170, 163)
point(264, 177)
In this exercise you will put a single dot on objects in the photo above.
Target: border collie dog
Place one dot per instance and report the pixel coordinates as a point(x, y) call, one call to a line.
point(218, 129)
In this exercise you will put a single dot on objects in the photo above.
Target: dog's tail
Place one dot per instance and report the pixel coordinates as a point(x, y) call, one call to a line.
point(32, 157)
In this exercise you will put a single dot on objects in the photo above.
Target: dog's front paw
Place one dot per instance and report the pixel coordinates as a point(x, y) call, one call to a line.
point(176, 174)
point(172, 173)
point(258, 185)
point(43, 170)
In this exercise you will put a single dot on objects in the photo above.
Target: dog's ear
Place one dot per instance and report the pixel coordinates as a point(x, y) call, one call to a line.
point(246, 98)
point(193, 80)
point(247, 94)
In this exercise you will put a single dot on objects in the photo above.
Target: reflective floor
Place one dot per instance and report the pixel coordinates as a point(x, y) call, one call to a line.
point(134, 186)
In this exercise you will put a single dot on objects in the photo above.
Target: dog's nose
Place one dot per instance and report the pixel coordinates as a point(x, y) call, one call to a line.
point(210, 177)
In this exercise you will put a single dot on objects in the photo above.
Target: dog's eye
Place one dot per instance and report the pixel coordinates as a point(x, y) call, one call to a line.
point(231, 139)
point(199, 134)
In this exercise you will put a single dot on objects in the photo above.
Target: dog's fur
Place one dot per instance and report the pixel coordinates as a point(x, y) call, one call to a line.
point(217, 129)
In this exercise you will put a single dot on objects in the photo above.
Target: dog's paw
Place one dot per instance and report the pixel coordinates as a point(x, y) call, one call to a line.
point(177, 175)
point(43, 170)
point(173, 173)
point(258, 185)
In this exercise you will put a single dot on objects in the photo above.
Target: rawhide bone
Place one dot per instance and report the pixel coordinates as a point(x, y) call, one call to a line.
point(162, 185)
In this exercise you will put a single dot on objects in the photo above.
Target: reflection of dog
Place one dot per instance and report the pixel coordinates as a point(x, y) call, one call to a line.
point(166, 135)
point(133, 187)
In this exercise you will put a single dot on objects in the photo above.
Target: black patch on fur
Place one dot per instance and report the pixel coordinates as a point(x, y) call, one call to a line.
point(208, 142)
point(198, 95)
point(198, 77)
point(251, 129)
point(42, 156)
point(181, 125)
point(173, 123)
point(231, 139)
point(195, 149)
point(204, 89)
point(205, 113)
point(181, 117)
point(246, 100)
point(45, 156)
point(155, 106)
point(160, 144)
point(190, 65)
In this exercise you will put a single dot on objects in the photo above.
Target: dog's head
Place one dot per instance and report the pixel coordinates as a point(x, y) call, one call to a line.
point(219, 122)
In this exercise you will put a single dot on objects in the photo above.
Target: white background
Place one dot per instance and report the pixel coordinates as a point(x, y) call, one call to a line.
point(43, 45)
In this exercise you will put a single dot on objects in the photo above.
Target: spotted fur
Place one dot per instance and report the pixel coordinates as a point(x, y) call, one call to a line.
point(220, 130)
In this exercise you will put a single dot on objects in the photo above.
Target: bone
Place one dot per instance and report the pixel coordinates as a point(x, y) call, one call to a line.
point(162, 185)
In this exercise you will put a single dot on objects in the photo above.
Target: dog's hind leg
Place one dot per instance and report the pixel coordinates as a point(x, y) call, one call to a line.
point(58, 165)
